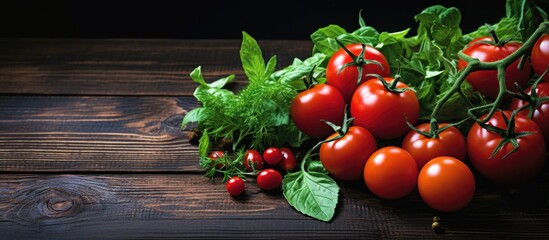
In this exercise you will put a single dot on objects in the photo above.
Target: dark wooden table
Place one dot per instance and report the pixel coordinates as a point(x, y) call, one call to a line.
point(91, 148)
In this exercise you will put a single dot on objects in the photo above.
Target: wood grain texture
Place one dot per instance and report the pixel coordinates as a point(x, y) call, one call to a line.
point(145, 206)
point(52, 133)
point(126, 66)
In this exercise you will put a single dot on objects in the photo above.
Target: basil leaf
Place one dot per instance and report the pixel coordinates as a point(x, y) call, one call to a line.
point(204, 144)
point(252, 58)
point(196, 76)
point(194, 115)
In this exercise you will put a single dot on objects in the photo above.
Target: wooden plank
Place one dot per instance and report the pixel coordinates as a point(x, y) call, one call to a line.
point(144, 206)
point(57, 134)
point(125, 66)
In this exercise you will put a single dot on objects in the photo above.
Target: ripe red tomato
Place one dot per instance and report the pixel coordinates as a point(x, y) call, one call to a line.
point(449, 142)
point(486, 81)
point(390, 173)
point(272, 156)
point(321, 102)
point(383, 112)
point(541, 114)
point(269, 179)
point(235, 186)
point(288, 161)
point(216, 155)
point(253, 156)
point(346, 81)
point(344, 158)
point(540, 56)
point(518, 167)
point(446, 184)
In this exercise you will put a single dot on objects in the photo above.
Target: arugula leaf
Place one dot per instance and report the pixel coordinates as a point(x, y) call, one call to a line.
point(312, 192)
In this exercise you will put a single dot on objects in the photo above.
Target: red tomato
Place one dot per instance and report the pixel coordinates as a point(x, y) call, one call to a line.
point(390, 173)
point(235, 186)
point(486, 81)
point(518, 167)
point(383, 112)
point(269, 179)
point(344, 158)
point(215, 155)
point(253, 156)
point(449, 142)
point(541, 114)
point(346, 81)
point(288, 161)
point(540, 56)
point(446, 184)
point(310, 107)
point(272, 156)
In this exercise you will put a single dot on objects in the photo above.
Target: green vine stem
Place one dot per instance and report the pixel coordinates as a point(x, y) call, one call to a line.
point(473, 64)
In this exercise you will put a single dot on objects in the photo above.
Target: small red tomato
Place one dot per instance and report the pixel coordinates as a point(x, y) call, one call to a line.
point(235, 186)
point(269, 179)
point(540, 56)
point(253, 157)
point(272, 156)
point(446, 184)
point(216, 155)
point(288, 161)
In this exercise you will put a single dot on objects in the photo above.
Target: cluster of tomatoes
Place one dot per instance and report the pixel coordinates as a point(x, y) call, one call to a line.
point(433, 160)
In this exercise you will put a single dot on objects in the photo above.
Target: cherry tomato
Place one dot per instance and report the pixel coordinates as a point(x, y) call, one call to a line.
point(519, 166)
point(269, 179)
point(486, 81)
point(540, 56)
point(344, 158)
point(310, 107)
point(253, 156)
point(449, 142)
point(288, 161)
point(272, 156)
point(216, 155)
point(383, 112)
point(235, 186)
point(446, 184)
point(390, 173)
point(346, 81)
point(541, 114)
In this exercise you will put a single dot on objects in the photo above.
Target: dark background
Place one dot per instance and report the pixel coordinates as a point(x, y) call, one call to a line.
point(221, 19)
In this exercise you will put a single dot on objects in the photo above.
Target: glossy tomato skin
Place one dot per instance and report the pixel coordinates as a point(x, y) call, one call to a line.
point(235, 186)
point(518, 167)
point(253, 157)
point(269, 179)
point(288, 161)
point(321, 102)
point(216, 155)
point(390, 173)
point(344, 158)
point(486, 81)
point(446, 184)
point(272, 156)
point(541, 114)
point(540, 56)
point(346, 80)
point(382, 112)
point(449, 142)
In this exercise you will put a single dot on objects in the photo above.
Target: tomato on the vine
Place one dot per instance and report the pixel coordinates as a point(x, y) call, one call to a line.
point(344, 158)
point(269, 179)
point(272, 156)
point(345, 79)
point(510, 164)
point(235, 186)
point(486, 81)
point(216, 155)
point(541, 112)
point(390, 173)
point(449, 142)
point(253, 157)
point(446, 184)
point(540, 56)
point(288, 161)
point(310, 107)
point(384, 111)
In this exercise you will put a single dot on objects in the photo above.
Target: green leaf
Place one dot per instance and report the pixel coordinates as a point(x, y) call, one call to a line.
point(316, 166)
point(194, 115)
point(270, 68)
point(252, 58)
point(312, 193)
point(204, 144)
point(196, 76)
point(323, 39)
